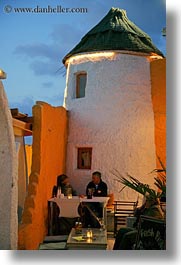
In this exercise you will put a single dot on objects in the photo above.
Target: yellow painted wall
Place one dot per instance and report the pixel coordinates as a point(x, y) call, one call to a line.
point(48, 161)
point(28, 149)
point(158, 84)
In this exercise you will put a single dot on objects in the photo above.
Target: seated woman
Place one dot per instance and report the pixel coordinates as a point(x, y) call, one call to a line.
point(63, 183)
point(126, 236)
point(62, 225)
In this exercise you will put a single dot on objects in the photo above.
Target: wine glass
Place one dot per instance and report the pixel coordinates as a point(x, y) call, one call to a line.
point(101, 222)
point(93, 191)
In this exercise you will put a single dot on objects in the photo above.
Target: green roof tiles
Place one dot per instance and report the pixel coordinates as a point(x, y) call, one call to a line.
point(115, 32)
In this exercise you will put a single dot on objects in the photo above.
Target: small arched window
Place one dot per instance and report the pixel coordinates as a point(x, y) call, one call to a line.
point(81, 80)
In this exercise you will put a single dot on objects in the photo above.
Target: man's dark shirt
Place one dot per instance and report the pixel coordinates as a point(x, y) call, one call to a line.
point(100, 189)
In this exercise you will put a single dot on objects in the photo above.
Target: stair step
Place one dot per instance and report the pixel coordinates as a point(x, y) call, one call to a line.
point(53, 246)
point(59, 238)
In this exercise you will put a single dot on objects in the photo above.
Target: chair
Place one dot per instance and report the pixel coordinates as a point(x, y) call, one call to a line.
point(110, 213)
point(122, 209)
point(110, 203)
point(151, 234)
point(53, 218)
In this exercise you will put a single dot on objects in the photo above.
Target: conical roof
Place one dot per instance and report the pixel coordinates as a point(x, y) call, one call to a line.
point(115, 32)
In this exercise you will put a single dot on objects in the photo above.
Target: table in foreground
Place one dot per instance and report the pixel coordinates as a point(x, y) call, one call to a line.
point(99, 240)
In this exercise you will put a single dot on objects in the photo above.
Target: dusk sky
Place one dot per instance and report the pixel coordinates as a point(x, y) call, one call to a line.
point(34, 44)
point(32, 48)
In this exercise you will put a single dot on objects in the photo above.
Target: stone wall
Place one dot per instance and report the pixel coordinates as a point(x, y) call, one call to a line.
point(8, 177)
point(48, 161)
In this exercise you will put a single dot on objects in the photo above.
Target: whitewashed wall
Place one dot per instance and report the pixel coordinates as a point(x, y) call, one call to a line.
point(8, 178)
point(115, 118)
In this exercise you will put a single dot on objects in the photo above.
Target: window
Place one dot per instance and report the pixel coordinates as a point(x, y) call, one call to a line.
point(84, 157)
point(81, 79)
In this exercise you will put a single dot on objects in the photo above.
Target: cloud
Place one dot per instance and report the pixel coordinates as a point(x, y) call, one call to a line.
point(55, 100)
point(24, 106)
point(45, 68)
point(41, 50)
point(66, 34)
point(46, 59)
point(47, 84)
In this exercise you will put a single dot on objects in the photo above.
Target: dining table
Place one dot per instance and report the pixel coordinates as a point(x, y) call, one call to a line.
point(68, 206)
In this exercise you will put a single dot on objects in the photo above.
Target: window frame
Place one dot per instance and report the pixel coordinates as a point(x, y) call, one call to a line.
point(78, 76)
point(80, 151)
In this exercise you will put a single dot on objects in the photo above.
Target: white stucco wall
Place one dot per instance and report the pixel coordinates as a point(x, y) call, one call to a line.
point(115, 118)
point(22, 174)
point(8, 177)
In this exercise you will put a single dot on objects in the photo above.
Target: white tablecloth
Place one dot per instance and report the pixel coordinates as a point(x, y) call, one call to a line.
point(69, 207)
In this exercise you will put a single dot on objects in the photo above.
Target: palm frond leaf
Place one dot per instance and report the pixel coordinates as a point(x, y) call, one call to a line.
point(136, 185)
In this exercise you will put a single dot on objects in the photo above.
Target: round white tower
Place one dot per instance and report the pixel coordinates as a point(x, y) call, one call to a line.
point(108, 98)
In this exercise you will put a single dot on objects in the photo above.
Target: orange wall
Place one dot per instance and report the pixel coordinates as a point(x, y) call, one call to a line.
point(48, 161)
point(158, 83)
point(28, 149)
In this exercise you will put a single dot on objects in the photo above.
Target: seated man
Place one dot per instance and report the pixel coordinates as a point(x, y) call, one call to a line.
point(98, 187)
point(93, 212)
